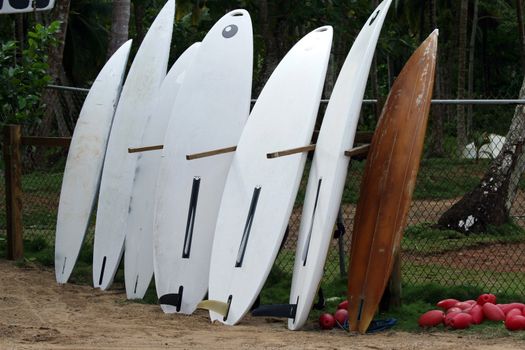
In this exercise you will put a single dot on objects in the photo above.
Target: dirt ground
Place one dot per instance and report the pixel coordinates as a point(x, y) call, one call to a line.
point(36, 313)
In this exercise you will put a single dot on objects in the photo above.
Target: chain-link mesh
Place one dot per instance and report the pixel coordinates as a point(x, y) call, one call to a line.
point(491, 261)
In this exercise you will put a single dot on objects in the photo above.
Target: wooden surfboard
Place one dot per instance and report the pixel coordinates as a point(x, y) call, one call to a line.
point(131, 117)
point(209, 113)
point(388, 182)
point(84, 162)
point(138, 252)
point(260, 192)
point(329, 168)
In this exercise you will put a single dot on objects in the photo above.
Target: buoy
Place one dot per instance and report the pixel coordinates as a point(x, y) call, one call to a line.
point(486, 298)
point(341, 316)
point(448, 317)
point(343, 305)
point(492, 312)
point(447, 303)
point(326, 321)
point(461, 321)
point(431, 318)
point(515, 323)
point(477, 314)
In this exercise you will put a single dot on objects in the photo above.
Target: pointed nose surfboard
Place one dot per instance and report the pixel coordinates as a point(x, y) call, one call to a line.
point(388, 184)
point(209, 113)
point(329, 168)
point(259, 193)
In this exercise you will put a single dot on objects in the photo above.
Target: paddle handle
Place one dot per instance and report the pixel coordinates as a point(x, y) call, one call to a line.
point(145, 149)
point(211, 153)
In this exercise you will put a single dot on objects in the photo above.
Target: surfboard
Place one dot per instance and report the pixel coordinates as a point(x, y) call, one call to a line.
point(388, 182)
point(138, 252)
point(329, 168)
point(84, 162)
point(209, 113)
point(260, 192)
point(131, 116)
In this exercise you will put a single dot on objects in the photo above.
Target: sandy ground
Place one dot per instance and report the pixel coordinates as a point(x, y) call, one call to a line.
point(36, 313)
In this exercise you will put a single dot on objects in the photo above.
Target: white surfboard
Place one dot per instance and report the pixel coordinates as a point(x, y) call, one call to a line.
point(209, 113)
point(84, 162)
point(141, 86)
point(329, 168)
point(138, 253)
point(259, 193)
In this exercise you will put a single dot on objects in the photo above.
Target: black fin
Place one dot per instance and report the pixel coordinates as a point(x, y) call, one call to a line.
point(321, 303)
point(173, 299)
point(276, 310)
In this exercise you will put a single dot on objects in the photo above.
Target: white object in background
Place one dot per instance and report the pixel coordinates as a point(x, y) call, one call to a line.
point(209, 113)
point(260, 192)
point(20, 6)
point(84, 162)
point(489, 150)
point(329, 168)
point(131, 117)
point(138, 253)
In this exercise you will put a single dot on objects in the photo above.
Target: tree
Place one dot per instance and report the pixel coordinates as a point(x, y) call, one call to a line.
point(436, 132)
point(60, 13)
point(462, 54)
point(22, 81)
point(119, 25)
point(521, 29)
point(472, 47)
point(490, 202)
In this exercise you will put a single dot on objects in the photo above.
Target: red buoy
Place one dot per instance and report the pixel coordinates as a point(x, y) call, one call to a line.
point(431, 318)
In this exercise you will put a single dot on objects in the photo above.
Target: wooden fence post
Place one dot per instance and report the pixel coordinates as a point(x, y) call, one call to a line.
point(392, 296)
point(13, 187)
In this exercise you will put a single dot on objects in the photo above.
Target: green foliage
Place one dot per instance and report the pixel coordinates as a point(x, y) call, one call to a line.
point(23, 78)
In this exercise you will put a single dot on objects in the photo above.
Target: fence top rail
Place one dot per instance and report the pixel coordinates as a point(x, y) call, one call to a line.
point(372, 101)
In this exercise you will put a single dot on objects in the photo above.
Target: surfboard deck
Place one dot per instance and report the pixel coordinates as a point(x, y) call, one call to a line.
point(84, 162)
point(329, 168)
point(142, 84)
point(209, 113)
point(259, 193)
point(138, 252)
point(388, 182)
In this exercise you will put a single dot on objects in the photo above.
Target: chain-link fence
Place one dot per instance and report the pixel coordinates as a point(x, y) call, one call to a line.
point(490, 261)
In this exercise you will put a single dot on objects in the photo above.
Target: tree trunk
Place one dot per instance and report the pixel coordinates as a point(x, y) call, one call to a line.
point(422, 31)
point(490, 202)
point(20, 36)
point(471, 57)
point(139, 12)
point(271, 50)
point(519, 13)
point(462, 54)
point(437, 148)
point(374, 80)
point(54, 112)
point(119, 25)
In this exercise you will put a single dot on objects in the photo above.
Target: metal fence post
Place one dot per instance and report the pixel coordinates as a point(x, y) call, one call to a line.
point(13, 186)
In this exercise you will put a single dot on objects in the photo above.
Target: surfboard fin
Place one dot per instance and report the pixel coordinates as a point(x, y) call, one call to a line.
point(173, 299)
point(219, 307)
point(276, 310)
point(321, 302)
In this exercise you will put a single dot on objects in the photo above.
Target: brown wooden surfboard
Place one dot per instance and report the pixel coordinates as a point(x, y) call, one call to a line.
point(388, 183)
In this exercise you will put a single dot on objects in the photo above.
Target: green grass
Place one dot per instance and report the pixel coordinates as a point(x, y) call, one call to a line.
point(42, 182)
point(423, 238)
point(496, 282)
